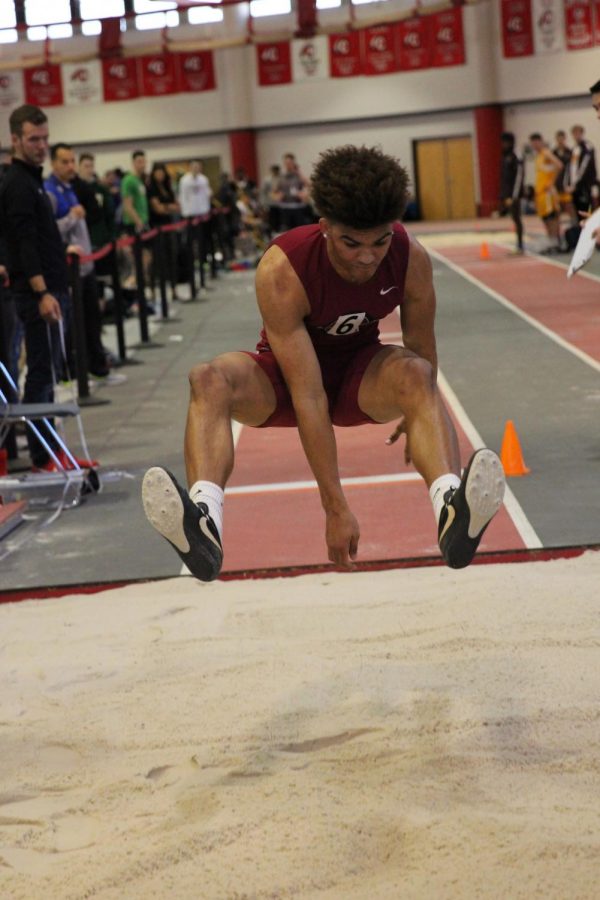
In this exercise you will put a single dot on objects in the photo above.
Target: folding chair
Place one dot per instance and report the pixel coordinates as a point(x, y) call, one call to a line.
point(62, 488)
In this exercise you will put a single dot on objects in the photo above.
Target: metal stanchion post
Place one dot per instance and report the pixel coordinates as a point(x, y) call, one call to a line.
point(79, 348)
point(118, 303)
point(201, 253)
point(190, 259)
point(140, 290)
point(160, 264)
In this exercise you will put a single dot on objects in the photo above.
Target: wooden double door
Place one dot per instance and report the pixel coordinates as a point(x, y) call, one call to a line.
point(445, 178)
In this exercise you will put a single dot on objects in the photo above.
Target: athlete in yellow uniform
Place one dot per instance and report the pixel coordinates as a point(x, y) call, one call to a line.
point(547, 202)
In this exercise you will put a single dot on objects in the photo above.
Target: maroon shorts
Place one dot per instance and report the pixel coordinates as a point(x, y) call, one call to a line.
point(341, 380)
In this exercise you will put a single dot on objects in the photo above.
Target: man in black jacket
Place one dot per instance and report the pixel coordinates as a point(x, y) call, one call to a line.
point(582, 170)
point(36, 264)
point(511, 185)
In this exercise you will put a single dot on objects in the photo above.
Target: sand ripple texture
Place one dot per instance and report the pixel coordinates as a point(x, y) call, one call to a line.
point(411, 734)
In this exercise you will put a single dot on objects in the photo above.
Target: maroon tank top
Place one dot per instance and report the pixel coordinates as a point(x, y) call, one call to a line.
point(343, 315)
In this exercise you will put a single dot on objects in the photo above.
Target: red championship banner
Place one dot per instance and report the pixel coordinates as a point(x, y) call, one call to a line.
point(597, 21)
point(448, 38)
point(517, 28)
point(274, 63)
point(579, 24)
point(414, 41)
point(120, 79)
point(43, 86)
point(158, 74)
point(344, 55)
point(196, 71)
point(379, 50)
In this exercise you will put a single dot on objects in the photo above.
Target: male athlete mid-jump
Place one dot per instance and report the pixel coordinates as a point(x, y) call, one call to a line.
point(322, 290)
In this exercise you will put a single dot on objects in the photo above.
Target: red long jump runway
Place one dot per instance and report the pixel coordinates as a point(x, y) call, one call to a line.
point(569, 308)
point(274, 520)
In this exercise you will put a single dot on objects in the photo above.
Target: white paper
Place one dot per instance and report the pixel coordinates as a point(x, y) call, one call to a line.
point(585, 245)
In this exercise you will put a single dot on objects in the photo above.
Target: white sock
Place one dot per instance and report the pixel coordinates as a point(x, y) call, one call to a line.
point(439, 488)
point(213, 495)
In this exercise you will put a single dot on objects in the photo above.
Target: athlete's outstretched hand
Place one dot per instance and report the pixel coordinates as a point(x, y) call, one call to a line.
point(399, 430)
point(342, 533)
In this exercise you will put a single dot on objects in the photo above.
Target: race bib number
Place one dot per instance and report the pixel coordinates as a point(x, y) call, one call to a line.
point(347, 324)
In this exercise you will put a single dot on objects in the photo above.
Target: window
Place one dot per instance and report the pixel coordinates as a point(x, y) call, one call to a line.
point(269, 7)
point(152, 18)
point(40, 12)
point(91, 11)
point(202, 15)
point(328, 4)
point(8, 17)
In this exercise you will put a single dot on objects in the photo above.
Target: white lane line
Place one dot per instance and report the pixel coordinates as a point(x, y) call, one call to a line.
point(275, 486)
point(236, 430)
point(559, 265)
point(513, 507)
point(580, 354)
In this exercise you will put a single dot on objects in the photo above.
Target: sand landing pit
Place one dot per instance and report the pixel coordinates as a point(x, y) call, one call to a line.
point(409, 734)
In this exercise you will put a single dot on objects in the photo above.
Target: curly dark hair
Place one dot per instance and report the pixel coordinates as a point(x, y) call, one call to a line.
point(359, 187)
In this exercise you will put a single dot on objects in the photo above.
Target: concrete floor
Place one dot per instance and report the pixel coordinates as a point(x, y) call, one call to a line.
point(499, 366)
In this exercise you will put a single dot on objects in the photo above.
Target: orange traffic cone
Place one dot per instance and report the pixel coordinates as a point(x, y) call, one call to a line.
point(484, 251)
point(511, 455)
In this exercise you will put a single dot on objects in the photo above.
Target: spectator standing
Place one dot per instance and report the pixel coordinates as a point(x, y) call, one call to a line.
point(582, 170)
point(136, 215)
point(112, 182)
point(98, 203)
point(194, 194)
point(511, 185)
point(268, 201)
point(228, 220)
point(292, 193)
point(547, 204)
point(563, 152)
point(164, 209)
point(36, 265)
point(70, 219)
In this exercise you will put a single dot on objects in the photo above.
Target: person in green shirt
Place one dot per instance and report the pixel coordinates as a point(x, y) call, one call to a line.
point(133, 192)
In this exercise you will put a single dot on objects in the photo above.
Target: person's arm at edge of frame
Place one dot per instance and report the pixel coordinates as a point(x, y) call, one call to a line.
point(283, 305)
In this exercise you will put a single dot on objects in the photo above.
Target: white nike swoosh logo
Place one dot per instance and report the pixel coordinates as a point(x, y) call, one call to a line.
point(208, 533)
point(387, 290)
point(449, 520)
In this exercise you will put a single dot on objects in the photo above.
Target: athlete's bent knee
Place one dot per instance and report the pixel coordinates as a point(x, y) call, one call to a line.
point(416, 378)
point(208, 380)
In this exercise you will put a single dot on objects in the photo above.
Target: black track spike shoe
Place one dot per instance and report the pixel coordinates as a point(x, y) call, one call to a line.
point(469, 509)
point(186, 525)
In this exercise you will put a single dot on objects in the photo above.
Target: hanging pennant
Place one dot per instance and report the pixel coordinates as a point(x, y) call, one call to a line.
point(448, 38)
point(517, 28)
point(379, 50)
point(579, 24)
point(274, 63)
point(344, 55)
point(196, 71)
point(43, 85)
point(414, 41)
point(12, 90)
point(82, 83)
point(120, 79)
point(548, 29)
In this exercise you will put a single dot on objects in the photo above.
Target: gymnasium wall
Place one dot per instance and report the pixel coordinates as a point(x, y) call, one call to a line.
point(539, 93)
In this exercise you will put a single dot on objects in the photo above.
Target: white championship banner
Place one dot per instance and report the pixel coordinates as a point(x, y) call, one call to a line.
point(547, 20)
point(82, 83)
point(12, 89)
point(310, 59)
